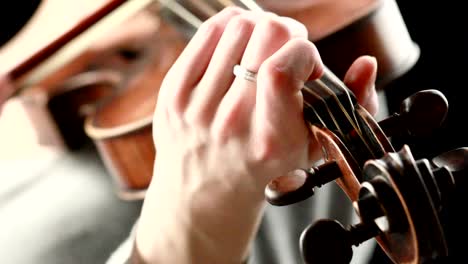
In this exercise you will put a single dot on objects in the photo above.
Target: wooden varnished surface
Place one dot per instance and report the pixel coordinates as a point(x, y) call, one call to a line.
point(51, 19)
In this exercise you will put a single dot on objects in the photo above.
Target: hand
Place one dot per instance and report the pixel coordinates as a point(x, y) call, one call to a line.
point(221, 139)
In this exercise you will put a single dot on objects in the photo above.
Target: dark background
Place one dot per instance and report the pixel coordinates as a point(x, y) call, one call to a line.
point(441, 32)
point(14, 15)
point(440, 29)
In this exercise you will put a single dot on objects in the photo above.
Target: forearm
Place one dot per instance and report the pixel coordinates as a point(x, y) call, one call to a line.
point(136, 258)
point(219, 229)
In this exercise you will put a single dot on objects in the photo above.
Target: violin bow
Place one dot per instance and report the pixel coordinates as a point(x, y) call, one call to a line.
point(74, 41)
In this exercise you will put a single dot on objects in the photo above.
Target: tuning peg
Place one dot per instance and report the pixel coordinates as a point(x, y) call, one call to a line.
point(419, 115)
point(299, 184)
point(327, 241)
point(455, 161)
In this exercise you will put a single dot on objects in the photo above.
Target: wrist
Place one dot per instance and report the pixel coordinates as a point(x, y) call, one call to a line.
point(212, 227)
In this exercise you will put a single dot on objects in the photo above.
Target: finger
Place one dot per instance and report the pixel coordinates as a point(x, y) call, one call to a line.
point(218, 76)
point(360, 78)
point(269, 34)
point(193, 61)
point(279, 106)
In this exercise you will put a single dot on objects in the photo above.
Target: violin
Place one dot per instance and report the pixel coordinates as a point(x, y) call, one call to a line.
point(399, 200)
point(67, 96)
point(121, 127)
point(59, 84)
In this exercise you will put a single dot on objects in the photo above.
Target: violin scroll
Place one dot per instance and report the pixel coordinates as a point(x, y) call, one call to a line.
point(399, 203)
point(399, 200)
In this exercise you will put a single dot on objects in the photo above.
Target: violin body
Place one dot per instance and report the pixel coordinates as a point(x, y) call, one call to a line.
point(58, 104)
point(381, 33)
point(55, 106)
point(121, 127)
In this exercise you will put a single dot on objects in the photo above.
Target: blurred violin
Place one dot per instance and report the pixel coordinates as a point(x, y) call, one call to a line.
point(59, 84)
point(70, 94)
point(73, 42)
point(121, 126)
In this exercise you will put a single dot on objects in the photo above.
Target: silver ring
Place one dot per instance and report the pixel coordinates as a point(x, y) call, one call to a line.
point(244, 73)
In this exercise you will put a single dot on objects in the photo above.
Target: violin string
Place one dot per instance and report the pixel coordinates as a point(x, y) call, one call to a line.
point(182, 12)
point(252, 5)
point(314, 94)
point(319, 83)
point(206, 8)
point(225, 2)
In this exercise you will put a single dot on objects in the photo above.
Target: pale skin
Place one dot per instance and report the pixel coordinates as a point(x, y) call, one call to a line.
point(221, 139)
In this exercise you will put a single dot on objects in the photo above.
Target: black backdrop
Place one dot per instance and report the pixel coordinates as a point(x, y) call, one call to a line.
point(14, 15)
point(441, 30)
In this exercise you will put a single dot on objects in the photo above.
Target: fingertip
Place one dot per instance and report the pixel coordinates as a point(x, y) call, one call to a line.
point(298, 29)
point(361, 71)
point(293, 64)
point(372, 102)
point(318, 69)
point(360, 78)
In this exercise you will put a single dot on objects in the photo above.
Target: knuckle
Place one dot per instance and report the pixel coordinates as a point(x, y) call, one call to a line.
point(280, 31)
point(305, 51)
point(265, 149)
point(231, 11)
point(301, 59)
point(303, 45)
point(273, 75)
point(241, 24)
point(174, 108)
point(210, 28)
